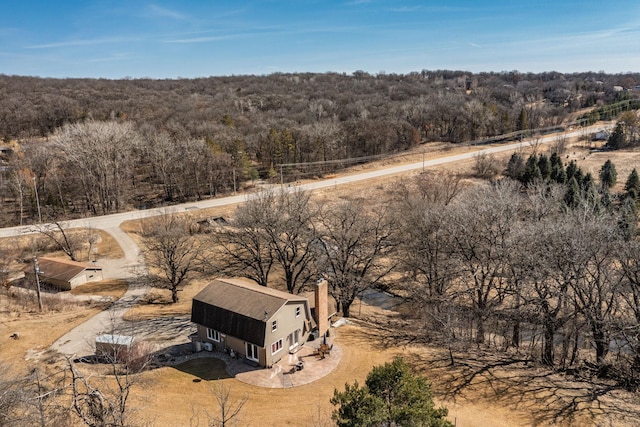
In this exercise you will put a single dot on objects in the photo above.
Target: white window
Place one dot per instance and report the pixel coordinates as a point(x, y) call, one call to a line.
point(274, 326)
point(213, 335)
point(298, 311)
point(294, 337)
point(276, 346)
point(252, 352)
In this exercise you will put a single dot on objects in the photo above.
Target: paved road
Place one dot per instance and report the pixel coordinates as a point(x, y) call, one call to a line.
point(79, 341)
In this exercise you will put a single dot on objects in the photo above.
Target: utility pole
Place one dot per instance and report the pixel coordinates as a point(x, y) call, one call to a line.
point(234, 180)
point(35, 187)
point(36, 270)
point(281, 177)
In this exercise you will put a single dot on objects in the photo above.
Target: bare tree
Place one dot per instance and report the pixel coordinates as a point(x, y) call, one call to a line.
point(97, 403)
point(228, 406)
point(99, 161)
point(355, 248)
point(272, 228)
point(485, 166)
point(172, 251)
point(596, 295)
point(65, 240)
point(12, 398)
point(630, 264)
point(438, 188)
point(242, 248)
point(481, 227)
point(540, 280)
point(425, 256)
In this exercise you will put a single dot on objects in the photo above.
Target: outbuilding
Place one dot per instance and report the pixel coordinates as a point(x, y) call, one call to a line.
point(67, 274)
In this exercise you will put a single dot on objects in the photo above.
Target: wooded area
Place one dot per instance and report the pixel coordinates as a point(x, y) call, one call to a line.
point(82, 147)
point(545, 263)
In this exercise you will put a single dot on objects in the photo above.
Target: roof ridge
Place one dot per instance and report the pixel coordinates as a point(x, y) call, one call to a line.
point(265, 290)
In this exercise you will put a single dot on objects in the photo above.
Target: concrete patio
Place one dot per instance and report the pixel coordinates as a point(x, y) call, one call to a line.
point(283, 374)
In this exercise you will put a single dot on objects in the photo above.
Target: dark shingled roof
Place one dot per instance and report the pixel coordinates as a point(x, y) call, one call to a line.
point(238, 308)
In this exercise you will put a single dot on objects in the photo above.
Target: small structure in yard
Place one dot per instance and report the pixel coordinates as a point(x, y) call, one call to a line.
point(66, 274)
point(257, 323)
point(115, 347)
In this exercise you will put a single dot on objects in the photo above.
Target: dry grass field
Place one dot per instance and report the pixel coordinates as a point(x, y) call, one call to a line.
point(480, 388)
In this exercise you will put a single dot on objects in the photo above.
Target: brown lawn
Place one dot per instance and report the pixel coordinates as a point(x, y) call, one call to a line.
point(106, 288)
point(157, 303)
point(37, 331)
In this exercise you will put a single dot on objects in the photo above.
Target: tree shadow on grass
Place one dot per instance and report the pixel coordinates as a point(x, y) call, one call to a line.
point(505, 379)
point(204, 368)
point(513, 382)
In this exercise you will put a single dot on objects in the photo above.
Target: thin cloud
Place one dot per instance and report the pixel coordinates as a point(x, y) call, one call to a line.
point(206, 39)
point(427, 9)
point(69, 43)
point(474, 45)
point(167, 13)
point(112, 58)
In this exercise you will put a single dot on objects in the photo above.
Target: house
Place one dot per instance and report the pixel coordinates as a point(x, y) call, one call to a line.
point(66, 274)
point(255, 322)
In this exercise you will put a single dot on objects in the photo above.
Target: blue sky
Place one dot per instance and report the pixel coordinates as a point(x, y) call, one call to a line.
point(199, 38)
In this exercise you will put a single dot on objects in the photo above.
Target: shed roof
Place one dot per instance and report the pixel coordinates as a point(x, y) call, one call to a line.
point(62, 269)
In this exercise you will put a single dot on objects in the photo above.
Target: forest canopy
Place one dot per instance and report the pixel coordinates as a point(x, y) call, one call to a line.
point(96, 146)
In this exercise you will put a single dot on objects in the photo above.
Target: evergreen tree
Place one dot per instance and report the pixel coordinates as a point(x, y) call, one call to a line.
point(632, 186)
point(608, 174)
point(572, 168)
point(515, 167)
point(558, 174)
point(357, 407)
point(572, 196)
point(531, 172)
point(544, 164)
point(556, 160)
point(393, 395)
point(523, 120)
point(617, 139)
point(628, 221)
point(605, 199)
point(588, 189)
point(579, 176)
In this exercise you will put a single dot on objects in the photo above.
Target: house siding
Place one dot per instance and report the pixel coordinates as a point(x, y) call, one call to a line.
point(222, 321)
point(287, 323)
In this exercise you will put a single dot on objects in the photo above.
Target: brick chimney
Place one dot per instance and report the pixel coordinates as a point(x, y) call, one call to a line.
point(322, 308)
